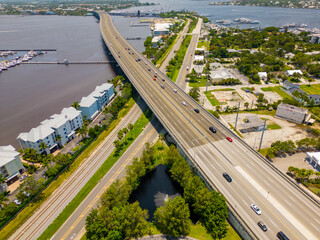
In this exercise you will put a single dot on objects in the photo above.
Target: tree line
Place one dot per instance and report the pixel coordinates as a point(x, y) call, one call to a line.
point(116, 218)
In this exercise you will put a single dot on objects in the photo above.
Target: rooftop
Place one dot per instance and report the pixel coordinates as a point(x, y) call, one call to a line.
point(7, 154)
point(293, 108)
point(252, 121)
point(221, 74)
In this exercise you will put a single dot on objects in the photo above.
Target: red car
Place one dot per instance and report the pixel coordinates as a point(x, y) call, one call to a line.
point(229, 139)
point(154, 79)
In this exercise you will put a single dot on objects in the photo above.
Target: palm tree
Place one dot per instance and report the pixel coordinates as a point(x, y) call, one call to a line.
point(46, 161)
point(43, 147)
point(125, 131)
point(58, 139)
point(116, 144)
point(3, 198)
point(83, 130)
point(130, 127)
point(246, 104)
point(120, 135)
point(2, 181)
point(75, 105)
point(161, 137)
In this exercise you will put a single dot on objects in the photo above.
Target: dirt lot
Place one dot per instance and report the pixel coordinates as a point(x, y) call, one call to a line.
point(296, 160)
point(288, 131)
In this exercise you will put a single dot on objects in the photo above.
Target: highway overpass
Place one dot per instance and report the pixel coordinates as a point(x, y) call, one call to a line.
point(284, 205)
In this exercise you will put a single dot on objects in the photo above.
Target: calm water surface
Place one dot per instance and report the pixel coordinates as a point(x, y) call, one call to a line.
point(31, 93)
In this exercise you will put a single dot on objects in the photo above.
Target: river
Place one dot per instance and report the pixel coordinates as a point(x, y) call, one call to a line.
point(30, 94)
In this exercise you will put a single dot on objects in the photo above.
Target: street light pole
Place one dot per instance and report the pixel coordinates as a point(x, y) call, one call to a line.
point(264, 127)
point(235, 126)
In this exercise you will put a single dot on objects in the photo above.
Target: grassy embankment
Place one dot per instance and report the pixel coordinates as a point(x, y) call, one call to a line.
point(29, 210)
point(109, 162)
point(175, 64)
point(212, 99)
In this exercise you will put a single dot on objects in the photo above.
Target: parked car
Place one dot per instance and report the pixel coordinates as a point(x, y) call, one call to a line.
point(229, 139)
point(16, 201)
point(255, 209)
point(262, 226)
point(23, 177)
point(227, 177)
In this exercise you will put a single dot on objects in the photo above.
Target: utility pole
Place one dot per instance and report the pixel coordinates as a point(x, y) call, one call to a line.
point(207, 61)
point(264, 127)
point(235, 126)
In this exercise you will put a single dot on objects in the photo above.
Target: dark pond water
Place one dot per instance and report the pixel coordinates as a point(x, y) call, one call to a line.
point(155, 187)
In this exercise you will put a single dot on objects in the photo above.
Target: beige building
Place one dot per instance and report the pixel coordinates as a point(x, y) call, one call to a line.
point(292, 113)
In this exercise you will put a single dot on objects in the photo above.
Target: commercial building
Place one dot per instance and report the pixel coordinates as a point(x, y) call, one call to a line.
point(10, 165)
point(219, 74)
point(156, 41)
point(313, 159)
point(63, 125)
point(292, 72)
point(263, 75)
point(252, 124)
point(162, 29)
point(91, 105)
point(292, 113)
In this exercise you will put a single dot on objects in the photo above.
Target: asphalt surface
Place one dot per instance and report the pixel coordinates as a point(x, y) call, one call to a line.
point(59, 199)
point(188, 59)
point(285, 207)
point(73, 228)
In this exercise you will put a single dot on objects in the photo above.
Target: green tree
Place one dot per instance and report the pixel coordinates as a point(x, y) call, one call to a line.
point(246, 104)
point(125, 131)
point(3, 199)
point(75, 105)
point(46, 161)
point(116, 144)
point(30, 185)
point(173, 218)
point(195, 93)
point(120, 135)
point(83, 130)
point(43, 146)
point(130, 127)
point(58, 139)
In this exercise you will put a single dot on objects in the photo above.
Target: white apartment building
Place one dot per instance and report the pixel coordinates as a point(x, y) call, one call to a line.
point(91, 105)
point(10, 165)
point(63, 125)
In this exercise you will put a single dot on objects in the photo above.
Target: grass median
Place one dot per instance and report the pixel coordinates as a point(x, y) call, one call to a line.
point(109, 162)
point(26, 213)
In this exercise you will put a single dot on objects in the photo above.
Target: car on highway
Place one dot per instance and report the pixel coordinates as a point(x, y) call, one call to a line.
point(262, 226)
point(196, 110)
point(282, 236)
point(119, 56)
point(229, 139)
point(212, 129)
point(149, 69)
point(184, 103)
point(146, 63)
point(255, 209)
point(139, 59)
point(163, 79)
point(155, 76)
point(155, 72)
point(154, 79)
point(175, 90)
point(227, 177)
point(162, 86)
point(16, 201)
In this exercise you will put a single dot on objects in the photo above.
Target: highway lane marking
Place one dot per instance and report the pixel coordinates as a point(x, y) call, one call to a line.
point(105, 187)
point(279, 220)
point(287, 202)
point(306, 232)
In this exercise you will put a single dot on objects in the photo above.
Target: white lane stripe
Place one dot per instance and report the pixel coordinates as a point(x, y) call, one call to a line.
point(299, 227)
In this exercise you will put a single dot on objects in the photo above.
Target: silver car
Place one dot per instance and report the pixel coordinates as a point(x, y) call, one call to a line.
point(184, 103)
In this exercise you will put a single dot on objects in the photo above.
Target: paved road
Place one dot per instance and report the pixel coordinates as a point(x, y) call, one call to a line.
point(175, 47)
point(73, 228)
point(284, 206)
point(188, 58)
point(51, 208)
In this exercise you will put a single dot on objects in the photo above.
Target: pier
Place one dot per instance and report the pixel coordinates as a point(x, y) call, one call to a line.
point(27, 50)
point(72, 62)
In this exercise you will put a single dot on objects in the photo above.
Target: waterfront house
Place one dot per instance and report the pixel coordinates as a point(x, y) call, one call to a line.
point(63, 125)
point(10, 165)
point(156, 41)
point(91, 105)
